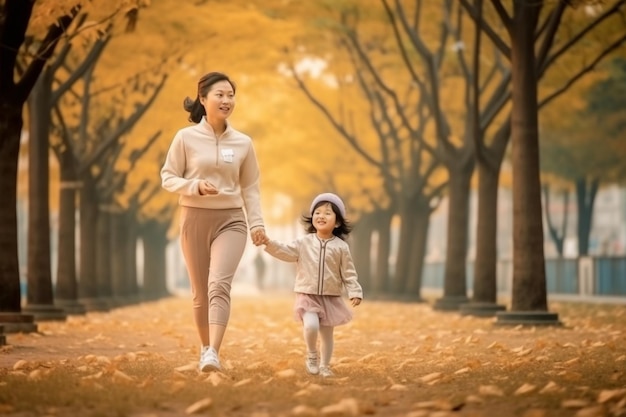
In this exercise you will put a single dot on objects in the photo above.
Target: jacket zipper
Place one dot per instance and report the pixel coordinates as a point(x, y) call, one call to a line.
point(217, 148)
point(320, 272)
point(217, 151)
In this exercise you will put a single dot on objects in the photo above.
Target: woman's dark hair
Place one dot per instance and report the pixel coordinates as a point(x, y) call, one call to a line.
point(342, 231)
point(194, 107)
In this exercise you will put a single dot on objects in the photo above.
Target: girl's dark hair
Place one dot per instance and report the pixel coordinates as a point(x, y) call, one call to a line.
point(341, 232)
point(194, 107)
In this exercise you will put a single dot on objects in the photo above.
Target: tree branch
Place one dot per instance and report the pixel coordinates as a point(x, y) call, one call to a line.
point(123, 127)
point(333, 121)
point(549, 59)
point(615, 45)
point(489, 31)
point(441, 125)
point(44, 52)
point(552, 26)
point(17, 14)
point(89, 60)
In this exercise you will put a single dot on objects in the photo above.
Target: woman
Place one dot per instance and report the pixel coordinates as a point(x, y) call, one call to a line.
point(214, 169)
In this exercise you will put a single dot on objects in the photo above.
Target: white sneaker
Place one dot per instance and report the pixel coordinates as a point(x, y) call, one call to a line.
point(325, 372)
point(209, 360)
point(312, 363)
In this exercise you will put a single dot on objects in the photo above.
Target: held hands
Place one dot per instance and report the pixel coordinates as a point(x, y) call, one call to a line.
point(355, 301)
point(206, 188)
point(259, 237)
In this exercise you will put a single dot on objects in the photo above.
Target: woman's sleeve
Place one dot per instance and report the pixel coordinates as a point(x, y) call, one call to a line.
point(173, 170)
point(249, 181)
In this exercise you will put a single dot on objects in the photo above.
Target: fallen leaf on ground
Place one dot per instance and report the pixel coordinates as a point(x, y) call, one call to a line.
point(595, 411)
point(490, 390)
point(608, 395)
point(431, 377)
point(199, 406)
point(345, 407)
point(525, 389)
point(574, 403)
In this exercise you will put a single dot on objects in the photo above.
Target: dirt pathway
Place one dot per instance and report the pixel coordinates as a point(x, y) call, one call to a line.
point(394, 359)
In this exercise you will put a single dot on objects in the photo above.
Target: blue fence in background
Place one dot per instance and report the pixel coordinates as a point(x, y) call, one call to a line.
point(601, 276)
point(562, 276)
point(610, 276)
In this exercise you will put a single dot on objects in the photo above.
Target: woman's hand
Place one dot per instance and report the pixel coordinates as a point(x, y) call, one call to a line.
point(259, 237)
point(355, 301)
point(206, 188)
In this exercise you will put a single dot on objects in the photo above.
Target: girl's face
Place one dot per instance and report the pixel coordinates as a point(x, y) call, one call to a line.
point(219, 101)
point(324, 220)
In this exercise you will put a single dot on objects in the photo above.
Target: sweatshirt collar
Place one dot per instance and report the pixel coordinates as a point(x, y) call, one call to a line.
point(203, 124)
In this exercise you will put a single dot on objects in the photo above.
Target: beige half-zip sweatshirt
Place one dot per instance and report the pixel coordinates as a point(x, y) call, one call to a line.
point(228, 162)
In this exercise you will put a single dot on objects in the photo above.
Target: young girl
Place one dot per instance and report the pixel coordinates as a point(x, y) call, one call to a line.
point(324, 268)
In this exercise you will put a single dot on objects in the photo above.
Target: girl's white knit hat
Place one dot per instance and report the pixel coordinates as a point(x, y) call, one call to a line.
point(331, 198)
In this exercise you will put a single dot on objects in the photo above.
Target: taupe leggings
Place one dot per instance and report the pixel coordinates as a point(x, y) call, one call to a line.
point(212, 242)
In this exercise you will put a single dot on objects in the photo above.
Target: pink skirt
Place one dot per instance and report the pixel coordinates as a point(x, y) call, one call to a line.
point(332, 310)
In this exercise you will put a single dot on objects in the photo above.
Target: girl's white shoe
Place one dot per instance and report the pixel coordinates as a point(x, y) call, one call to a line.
point(325, 372)
point(312, 363)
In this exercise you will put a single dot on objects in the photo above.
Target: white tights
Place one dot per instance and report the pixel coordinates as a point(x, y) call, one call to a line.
point(311, 327)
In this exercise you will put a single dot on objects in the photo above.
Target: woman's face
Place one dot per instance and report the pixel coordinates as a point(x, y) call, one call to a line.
point(219, 101)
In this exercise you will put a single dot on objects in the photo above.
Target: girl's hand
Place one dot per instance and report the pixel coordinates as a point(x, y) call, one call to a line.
point(355, 301)
point(206, 188)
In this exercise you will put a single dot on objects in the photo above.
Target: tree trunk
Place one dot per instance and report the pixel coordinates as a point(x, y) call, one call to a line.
point(103, 257)
point(360, 242)
point(67, 288)
point(39, 266)
point(585, 198)
point(66, 294)
point(485, 288)
point(405, 243)
point(10, 132)
point(40, 295)
point(529, 278)
point(132, 287)
point(154, 237)
point(557, 236)
point(422, 212)
point(88, 283)
point(455, 278)
point(382, 221)
point(118, 261)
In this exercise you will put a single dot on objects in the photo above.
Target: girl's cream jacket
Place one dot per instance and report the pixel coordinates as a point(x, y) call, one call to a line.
point(323, 267)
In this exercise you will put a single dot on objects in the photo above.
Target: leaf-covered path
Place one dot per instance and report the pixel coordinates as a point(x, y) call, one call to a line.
point(394, 359)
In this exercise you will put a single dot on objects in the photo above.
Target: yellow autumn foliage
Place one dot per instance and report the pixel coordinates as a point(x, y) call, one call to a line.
point(300, 153)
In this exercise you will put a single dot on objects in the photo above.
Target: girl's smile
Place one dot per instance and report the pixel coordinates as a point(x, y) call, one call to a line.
point(324, 220)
